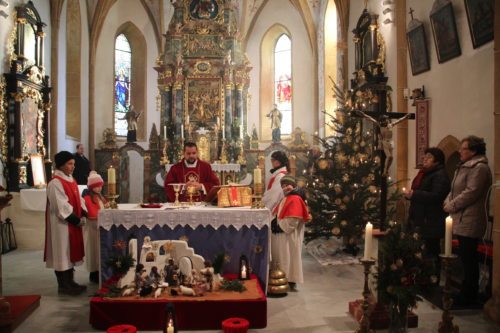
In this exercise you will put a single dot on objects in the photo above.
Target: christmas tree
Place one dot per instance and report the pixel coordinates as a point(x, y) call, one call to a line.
point(342, 183)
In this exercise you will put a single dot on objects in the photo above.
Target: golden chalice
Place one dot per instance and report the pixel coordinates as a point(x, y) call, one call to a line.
point(177, 188)
point(192, 191)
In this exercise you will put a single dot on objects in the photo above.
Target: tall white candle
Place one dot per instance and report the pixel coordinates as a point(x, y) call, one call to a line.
point(244, 272)
point(223, 133)
point(257, 176)
point(368, 240)
point(447, 236)
point(165, 132)
point(182, 131)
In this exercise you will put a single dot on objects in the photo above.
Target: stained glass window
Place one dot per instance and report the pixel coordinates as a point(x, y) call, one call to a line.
point(283, 81)
point(123, 63)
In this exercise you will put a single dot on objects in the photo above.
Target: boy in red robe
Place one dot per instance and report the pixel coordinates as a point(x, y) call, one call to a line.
point(292, 215)
point(191, 171)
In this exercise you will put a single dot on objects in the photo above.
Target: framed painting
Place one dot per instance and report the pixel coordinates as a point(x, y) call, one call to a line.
point(38, 170)
point(444, 30)
point(417, 49)
point(480, 15)
point(203, 100)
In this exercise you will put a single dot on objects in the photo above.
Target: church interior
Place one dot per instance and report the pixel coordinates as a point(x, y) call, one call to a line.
point(132, 81)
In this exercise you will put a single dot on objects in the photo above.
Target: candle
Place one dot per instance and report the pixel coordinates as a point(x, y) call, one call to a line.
point(170, 327)
point(447, 236)
point(111, 181)
point(368, 240)
point(182, 131)
point(244, 272)
point(111, 175)
point(223, 133)
point(257, 176)
point(165, 132)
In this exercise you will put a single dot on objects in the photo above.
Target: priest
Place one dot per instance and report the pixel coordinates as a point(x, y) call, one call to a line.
point(192, 172)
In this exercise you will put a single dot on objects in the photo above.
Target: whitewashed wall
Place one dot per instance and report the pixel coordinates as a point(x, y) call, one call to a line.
point(461, 89)
point(121, 12)
point(282, 12)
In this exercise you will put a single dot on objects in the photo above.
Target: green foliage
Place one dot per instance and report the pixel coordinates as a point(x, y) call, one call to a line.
point(120, 263)
point(342, 183)
point(233, 285)
point(402, 272)
point(218, 263)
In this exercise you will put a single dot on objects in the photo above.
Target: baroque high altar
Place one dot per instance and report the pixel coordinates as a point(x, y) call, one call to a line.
point(203, 79)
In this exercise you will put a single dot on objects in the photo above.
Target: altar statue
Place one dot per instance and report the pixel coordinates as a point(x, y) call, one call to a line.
point(276, 117)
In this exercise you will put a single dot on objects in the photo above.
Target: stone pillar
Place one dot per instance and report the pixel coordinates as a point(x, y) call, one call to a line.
point(228, 116)
point(492, 307)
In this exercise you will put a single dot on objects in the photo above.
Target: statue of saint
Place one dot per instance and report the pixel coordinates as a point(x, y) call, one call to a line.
point(131, 117)
point(276, 117)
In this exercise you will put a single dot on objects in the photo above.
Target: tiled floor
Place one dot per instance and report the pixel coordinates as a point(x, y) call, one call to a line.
point(320, 306)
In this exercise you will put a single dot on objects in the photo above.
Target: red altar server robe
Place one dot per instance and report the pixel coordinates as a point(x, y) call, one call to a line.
point(181, 172)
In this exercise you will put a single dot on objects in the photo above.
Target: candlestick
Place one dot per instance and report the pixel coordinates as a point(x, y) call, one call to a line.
point(257, 176)
point(446, 325)
point(448, 236)
point(364, 323)
point(368, 240)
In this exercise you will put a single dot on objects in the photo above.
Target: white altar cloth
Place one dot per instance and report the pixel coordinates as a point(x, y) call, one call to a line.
point(129, 215)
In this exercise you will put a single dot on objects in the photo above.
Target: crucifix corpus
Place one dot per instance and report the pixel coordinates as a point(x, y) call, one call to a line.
point(384, 133)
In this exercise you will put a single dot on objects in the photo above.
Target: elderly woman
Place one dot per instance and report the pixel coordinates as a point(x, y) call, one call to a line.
point(428, 191)
point(466, 204)
point(63, 237)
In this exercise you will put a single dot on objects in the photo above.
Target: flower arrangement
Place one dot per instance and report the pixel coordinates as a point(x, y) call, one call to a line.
point(120, 261)
point(402, 273)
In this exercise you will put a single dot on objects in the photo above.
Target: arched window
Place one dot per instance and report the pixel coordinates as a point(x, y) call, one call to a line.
point(283, 81)
point(123, 83)
point(330, 62)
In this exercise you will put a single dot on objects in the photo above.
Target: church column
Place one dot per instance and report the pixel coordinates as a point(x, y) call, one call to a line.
point(239, 106)
point(492, 307)
point(166, 97)
point(177, 107)
point(402, 83)
point(228, 116)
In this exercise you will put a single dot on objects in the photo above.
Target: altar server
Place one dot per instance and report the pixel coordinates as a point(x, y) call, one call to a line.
point(292, 213)
point(64, 219)
point(271, 199)
point(94, 201)
point(190, 171)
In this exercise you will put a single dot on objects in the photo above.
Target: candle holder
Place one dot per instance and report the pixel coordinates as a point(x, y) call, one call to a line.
point(446, 325)
point(164, 159)
point(364, 323)
point(223, 153)
point(112, 200)
point(257, 196)
point(180, 153)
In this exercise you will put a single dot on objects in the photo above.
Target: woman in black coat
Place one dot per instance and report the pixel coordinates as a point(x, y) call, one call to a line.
point(428, 191)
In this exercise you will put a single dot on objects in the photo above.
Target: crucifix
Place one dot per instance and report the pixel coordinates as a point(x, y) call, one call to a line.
point(383, 127)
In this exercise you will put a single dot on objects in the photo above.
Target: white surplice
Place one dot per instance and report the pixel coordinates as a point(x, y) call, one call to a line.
point(57, 235)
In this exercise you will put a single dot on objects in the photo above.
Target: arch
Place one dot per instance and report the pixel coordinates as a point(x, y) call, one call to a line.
point(266, 89)
point(449, 145)
point(73, 70)
point(138, 72)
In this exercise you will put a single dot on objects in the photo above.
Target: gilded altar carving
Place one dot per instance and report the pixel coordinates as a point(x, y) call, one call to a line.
point(108, 139)
point(3, 122)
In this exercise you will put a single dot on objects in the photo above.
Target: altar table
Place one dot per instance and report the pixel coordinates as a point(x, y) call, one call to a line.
point(210, 231)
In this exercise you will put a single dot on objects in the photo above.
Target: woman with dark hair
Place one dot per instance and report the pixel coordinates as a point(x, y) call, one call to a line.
point(428, 191)
point(466, 204)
